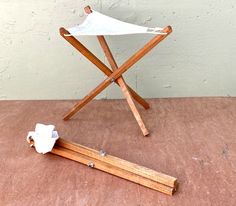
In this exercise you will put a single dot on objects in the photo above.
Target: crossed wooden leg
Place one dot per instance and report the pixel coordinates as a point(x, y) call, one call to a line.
point(123, 85)
point(120, 80)
point(91, 57)
point(111, 76)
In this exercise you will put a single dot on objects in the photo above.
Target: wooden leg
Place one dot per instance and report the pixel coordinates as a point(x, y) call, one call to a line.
point(123, 85)
point(91, 57)
point(117, 73)
point(121, 82)
point(138, 98)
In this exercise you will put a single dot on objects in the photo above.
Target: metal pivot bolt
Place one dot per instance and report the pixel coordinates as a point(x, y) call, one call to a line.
point(91, 164)
point(113, 79)
point(102, 153)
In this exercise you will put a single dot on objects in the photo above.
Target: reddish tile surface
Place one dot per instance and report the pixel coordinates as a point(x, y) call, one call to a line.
point(193, 139)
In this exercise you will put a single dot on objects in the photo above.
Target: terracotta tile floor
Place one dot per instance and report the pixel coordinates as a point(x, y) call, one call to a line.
point(193, 139)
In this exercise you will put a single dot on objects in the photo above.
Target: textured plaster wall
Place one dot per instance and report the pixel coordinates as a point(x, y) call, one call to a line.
point(198, 59)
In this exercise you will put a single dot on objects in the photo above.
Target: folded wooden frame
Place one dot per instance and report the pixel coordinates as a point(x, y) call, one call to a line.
point(114, 75)
point(115, 166)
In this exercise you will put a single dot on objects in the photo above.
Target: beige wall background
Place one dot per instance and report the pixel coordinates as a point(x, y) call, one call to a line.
point(198, 59)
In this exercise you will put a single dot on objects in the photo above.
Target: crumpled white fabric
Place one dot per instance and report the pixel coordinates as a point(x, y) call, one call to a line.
point(44, 137)
point(99, 24)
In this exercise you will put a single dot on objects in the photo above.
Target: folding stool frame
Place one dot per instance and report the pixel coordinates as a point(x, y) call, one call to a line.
point(114, 75)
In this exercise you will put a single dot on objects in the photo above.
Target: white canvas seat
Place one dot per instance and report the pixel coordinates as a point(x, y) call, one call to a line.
point(97, 24)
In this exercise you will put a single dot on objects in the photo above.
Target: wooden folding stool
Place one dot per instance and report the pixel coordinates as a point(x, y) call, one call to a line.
point(114, 75)
point(99, 159)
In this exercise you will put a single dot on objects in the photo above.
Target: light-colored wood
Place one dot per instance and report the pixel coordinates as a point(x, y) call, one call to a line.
point(120, 80)
point(120, 163)
point(117, 73)
point(100, 65)
point(88, 9)
point(123, 85)
point(115, 166)
point(112, 170)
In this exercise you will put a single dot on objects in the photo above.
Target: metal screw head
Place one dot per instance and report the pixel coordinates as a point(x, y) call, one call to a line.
point(113, 80)
point(91, 164)
point(102, 153)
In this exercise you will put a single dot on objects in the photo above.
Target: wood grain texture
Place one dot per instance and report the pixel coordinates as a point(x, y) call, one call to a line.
point(121, 81)
point(115, 166)
point(117, 73)
point(111, 169)
point(120, 163)
point(123, 85)
point(91, 57)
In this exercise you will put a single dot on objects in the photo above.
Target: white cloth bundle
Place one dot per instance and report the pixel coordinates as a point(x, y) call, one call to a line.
point(99, 24)
point(44, 137)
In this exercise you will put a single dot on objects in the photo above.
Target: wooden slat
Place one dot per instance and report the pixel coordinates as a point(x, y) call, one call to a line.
point(113, 170)
point(123, 85)
point(116, 74)
point(120, 163)
point(112, 165)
